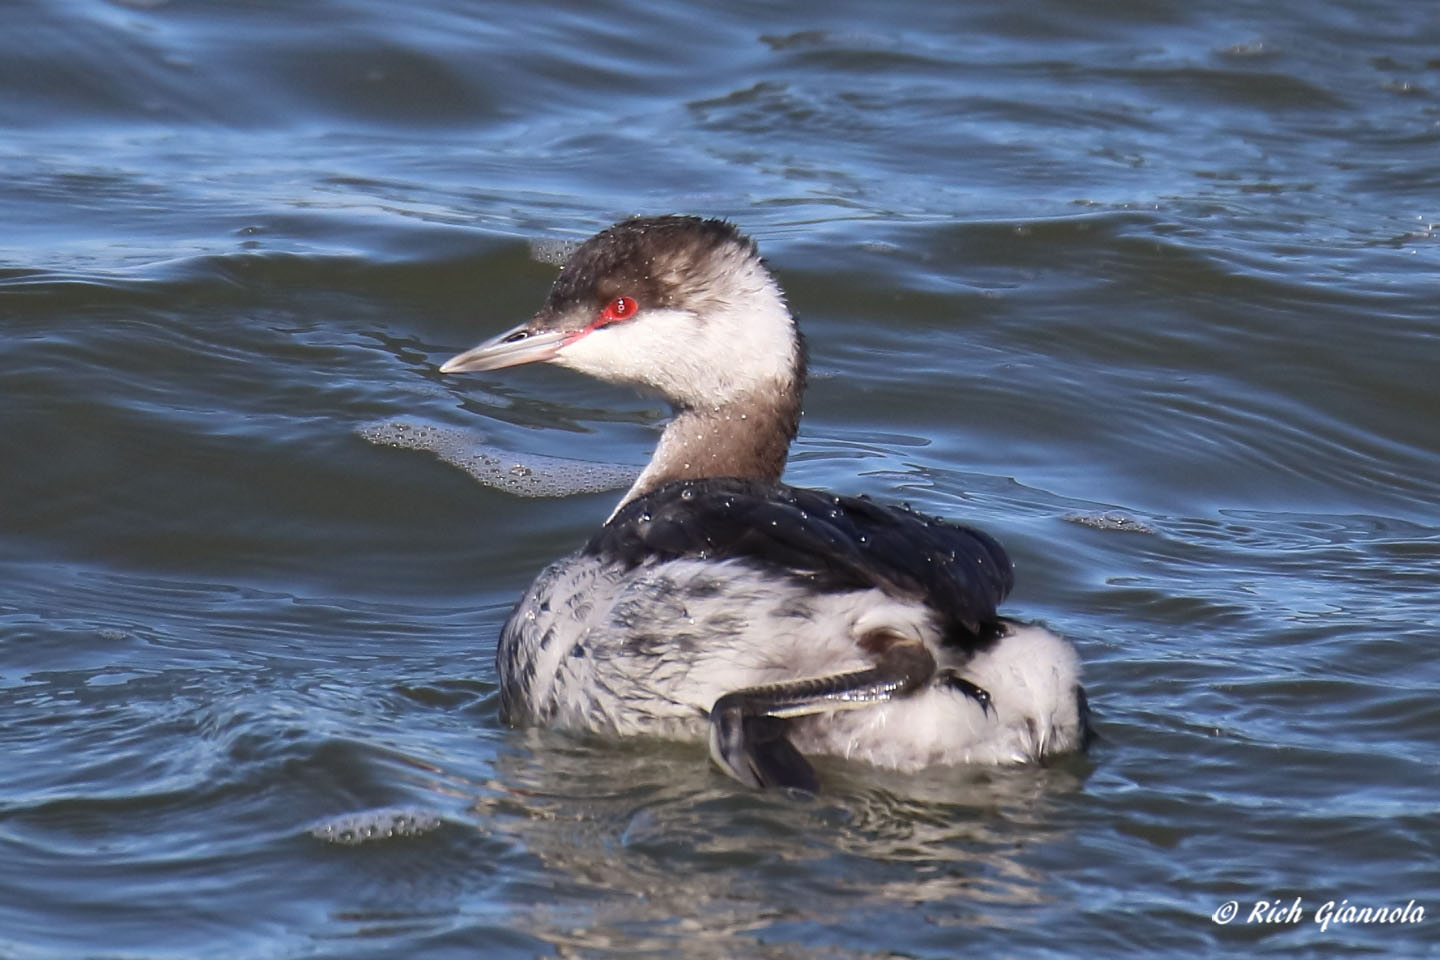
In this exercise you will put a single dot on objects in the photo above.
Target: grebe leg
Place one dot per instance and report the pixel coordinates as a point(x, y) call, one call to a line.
point(748, 727)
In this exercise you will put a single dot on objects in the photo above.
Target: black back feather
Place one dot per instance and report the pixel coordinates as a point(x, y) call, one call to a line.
point(834, 543)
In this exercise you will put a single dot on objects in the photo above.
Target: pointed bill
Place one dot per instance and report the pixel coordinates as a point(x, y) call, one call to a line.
point(509, 349)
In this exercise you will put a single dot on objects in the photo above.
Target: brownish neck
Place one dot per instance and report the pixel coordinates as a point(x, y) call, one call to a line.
point(746, 438)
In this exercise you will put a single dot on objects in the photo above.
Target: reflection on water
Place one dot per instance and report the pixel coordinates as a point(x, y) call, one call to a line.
point(642, 846)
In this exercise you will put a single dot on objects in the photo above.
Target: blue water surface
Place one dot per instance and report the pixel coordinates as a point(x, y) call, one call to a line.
point(1145, 289)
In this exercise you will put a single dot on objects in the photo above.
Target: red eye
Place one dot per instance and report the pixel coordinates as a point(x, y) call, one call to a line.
point(621, 308)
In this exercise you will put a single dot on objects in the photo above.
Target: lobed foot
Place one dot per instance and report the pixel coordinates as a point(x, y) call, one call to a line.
point(748, 728)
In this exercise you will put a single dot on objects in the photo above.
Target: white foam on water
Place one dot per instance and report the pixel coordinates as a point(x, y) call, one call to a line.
point(553, 252)
point(521, 474)
point(1114, 522)
point(353, 829)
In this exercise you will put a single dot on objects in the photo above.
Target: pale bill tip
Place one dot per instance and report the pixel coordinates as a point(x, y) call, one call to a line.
point(506, 351)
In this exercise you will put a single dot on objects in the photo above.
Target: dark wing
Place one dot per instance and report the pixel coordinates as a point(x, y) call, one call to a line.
point(836, 543)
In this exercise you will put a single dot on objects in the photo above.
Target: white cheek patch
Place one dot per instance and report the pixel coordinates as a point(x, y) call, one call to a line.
point(654, 349)
point(696, 361)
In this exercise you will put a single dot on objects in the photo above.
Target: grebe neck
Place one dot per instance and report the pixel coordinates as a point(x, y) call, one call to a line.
point(746, 437)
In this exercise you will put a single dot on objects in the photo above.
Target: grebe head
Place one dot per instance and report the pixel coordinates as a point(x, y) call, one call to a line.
point(680, 306)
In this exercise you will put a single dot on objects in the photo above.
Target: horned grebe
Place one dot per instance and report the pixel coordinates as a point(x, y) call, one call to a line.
point(717, 602)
